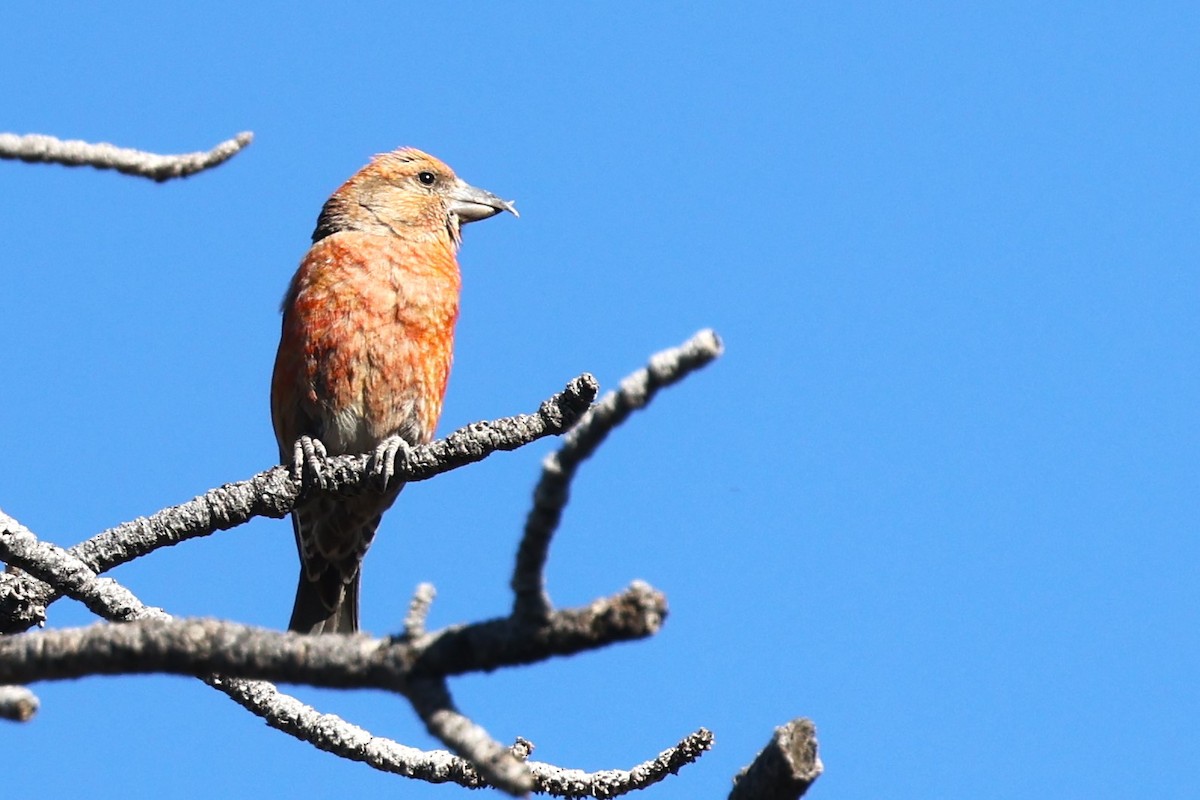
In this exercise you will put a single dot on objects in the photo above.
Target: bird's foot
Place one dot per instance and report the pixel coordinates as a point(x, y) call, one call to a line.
point(382, 463)
point(308, 463)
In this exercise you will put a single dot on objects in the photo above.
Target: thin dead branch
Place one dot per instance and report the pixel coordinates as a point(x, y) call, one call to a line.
point(273, 493)
point(531, 601)
point(37, 148)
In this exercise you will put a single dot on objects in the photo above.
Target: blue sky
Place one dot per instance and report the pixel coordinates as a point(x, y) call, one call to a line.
point(940, 494)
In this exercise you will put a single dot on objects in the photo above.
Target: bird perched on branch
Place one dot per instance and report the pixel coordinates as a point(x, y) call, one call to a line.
point(368, 337)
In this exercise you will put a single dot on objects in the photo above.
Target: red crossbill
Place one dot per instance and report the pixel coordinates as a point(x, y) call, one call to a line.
point(368, 337)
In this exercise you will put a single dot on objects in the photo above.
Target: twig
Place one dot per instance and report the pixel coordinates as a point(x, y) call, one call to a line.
point(335, 735)
point(430, 698)
point(418, 611)
point(615, 782)
point(785, 768)
point(531, 601)
point(635, 613)
point(17, 703)
point(35, 148)
point(273, 493)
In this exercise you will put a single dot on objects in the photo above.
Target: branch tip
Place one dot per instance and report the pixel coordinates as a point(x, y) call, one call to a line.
point(17, 704)
point(418, 611)
point(37, 148)
point(785, 768)
point(531, 601)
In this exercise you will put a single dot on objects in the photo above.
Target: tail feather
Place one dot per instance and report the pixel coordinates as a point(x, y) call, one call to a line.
point(332, 536)
point(325, 605)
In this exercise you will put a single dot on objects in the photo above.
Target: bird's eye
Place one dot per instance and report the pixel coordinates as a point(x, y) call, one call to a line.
point(426, 178)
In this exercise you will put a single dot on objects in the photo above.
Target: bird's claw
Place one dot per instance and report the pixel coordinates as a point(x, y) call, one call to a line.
point(308, 463)
point(382, 463)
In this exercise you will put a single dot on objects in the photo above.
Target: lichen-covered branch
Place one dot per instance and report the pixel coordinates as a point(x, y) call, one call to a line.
point(202, 646)
point(274, 492)
point(335, 735)
point(414, 664)
point(19, 546)
point(616, 782)
point(50, 565)
point(785, 768)
point(430, 698)
point(327, 732)
point(531, 601)
point(37, 148)
point(635, 613)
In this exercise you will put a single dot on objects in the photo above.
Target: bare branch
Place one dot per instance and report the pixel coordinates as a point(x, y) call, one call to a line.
point(35, 148)
point(281, 711)
point(17, 703)
point(202, 646)
point(550, 497)
point(54, 566)
point(333, 734)
point(636, 613)
point(273, 493)
point(615, 782)
point(495, 762)
point(414, 664)
point(785, 768)
point(198, 647)
point(418, 611)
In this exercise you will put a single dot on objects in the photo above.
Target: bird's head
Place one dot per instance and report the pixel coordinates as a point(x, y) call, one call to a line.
point(410, 194)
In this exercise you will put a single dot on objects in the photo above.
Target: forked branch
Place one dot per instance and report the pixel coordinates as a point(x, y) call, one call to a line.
point(415, 663)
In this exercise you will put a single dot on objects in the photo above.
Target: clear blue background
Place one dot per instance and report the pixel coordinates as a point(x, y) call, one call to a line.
point(940, 494)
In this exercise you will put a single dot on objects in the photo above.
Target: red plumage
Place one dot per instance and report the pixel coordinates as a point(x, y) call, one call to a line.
point(365, 353)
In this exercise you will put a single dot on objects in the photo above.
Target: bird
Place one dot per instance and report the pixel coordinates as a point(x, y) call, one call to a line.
point(364, 356)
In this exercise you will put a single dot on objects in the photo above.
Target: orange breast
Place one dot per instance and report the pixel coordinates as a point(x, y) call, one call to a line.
point(368, 340)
